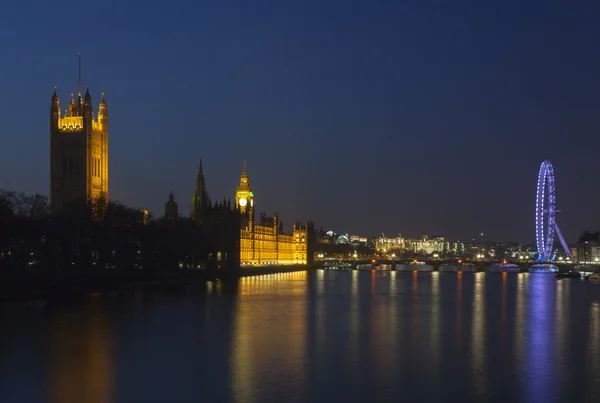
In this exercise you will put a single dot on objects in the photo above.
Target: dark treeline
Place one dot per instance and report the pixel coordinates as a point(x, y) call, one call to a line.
point(96, 238)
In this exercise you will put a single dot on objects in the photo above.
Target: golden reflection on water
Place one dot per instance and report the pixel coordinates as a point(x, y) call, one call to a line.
point(354, 319)
point(478, 347)
point(436, 317)
point(320, 282)
point(414, 307)
point(258, 348)
point(82, 357)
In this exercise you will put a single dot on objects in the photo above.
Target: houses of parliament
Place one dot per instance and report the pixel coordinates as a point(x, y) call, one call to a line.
point(265, 242)
point(79, 172)
point(262, 242)
point(78, 151)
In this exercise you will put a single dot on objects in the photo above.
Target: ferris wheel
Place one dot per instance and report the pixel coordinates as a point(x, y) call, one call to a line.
point(545, 215)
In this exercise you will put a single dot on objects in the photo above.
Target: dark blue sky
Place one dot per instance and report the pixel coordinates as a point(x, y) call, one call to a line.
point(364, 116)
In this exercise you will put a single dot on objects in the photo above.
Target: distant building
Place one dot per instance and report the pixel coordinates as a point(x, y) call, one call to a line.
point(342, 240)
point(171, 212)
point(588, 248)
point(78, 151)
point(220, 226)
point(359, 240)
point(385, 244)
point(199, 198)
point(265, 242)
point(144, 217)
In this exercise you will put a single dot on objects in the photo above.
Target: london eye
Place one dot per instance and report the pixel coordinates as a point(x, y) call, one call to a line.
point(545, 215)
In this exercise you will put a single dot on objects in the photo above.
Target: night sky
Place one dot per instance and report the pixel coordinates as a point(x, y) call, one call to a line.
point(363, 116)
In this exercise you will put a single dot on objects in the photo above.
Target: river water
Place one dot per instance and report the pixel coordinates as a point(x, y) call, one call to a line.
point(321, 336)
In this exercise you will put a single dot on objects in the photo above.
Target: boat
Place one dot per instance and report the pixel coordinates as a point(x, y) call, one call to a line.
point(457, 267)
point(503, 268)
point(368, 267)
point(414, 266)
point(594, 278)
point(546, 268)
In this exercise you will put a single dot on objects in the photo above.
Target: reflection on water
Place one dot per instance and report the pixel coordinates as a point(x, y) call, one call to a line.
point(269, 331)
point(478, 341)
point(313, 337)
point(539, 370)
point(81, 356)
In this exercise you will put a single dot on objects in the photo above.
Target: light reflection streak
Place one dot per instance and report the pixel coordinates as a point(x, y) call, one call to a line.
point(373, 282)
point(435, 335)
point(320, 283)
point(458, 312)
point(562, 307)
point(82, 358)
point(478, 345)
point(354, 317)
point(540, 365)
point(521, 308)
point(393, 319)
point(257, 345)
point(504, 314)
point(504, 328)
point(414, 327)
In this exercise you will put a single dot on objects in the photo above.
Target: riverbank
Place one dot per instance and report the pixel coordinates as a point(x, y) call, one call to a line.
point(32, 287)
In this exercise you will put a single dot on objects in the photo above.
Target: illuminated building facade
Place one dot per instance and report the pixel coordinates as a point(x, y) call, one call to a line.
point(265, 242)
point(78, 151)
point(385, 244)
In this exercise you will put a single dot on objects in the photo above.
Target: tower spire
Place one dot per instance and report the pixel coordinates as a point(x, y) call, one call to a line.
point(200, 168)
point(79, 72)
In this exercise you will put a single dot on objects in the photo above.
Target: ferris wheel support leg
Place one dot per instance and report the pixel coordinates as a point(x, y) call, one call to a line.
point(562, 241)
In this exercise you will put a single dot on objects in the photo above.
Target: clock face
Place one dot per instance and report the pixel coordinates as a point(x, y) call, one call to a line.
point(243, 202)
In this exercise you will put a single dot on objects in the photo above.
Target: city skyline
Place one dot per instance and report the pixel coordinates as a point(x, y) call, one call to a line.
point(371, 119)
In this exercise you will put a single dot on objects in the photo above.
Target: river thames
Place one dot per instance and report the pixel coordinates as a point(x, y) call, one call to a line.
point(319, 336)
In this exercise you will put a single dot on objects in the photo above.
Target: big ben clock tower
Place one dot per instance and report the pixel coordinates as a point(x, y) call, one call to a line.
point(244, 198)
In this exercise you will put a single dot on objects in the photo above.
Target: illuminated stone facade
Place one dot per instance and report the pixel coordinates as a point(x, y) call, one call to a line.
point(265, 242)
point(78, 151)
